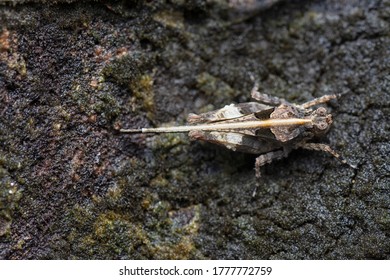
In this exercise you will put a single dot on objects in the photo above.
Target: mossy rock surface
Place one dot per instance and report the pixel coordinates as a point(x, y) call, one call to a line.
point(73, 72)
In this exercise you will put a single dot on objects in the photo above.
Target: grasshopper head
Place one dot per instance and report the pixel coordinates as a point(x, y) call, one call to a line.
point(321, 121)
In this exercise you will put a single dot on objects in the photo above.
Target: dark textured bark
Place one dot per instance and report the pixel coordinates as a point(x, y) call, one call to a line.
point(72, 73)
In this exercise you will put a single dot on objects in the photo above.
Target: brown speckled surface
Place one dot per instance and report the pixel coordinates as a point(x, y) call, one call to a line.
point(72, 187)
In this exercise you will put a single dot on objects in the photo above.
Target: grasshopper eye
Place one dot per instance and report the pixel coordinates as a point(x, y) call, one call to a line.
point(322, 125)
point(321, 111)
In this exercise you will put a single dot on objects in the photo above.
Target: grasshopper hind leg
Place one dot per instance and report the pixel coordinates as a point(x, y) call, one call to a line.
point(235, 141)
point(243, 143)
point(264, 98)
point(268, 158)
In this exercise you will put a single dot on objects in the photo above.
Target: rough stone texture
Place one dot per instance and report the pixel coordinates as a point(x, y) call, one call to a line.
point(72, 187)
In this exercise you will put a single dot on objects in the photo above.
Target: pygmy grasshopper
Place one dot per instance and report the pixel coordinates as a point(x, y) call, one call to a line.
point(271, 128)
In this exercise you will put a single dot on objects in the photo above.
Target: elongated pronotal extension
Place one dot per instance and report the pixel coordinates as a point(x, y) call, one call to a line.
point(223, 126)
